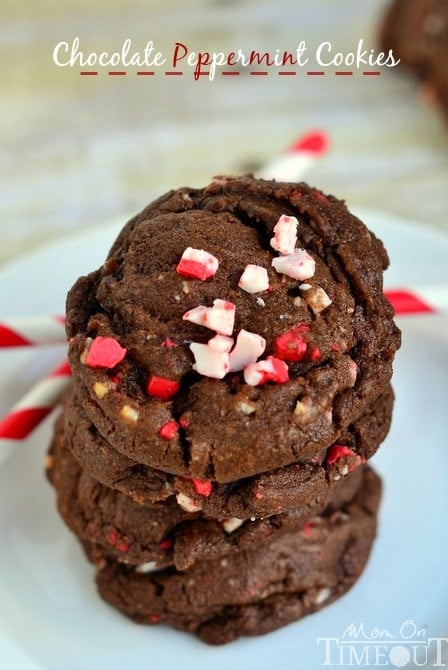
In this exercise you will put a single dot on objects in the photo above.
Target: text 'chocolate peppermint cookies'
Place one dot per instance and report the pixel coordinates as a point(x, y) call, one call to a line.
point(231, 366)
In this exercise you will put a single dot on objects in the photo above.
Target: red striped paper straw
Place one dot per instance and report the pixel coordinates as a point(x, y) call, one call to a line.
point(296, 160)
point(421, 300)
point(35, 405)
point(32, 330)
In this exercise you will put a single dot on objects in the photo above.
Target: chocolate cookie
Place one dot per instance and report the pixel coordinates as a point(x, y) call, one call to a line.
point(253, 592)
point(290, 487)
point(164, 533)
point(231, 329)
point(417, 32)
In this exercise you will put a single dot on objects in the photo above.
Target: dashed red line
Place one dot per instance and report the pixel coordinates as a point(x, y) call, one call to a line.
point(230, 73)
point(343, 74)
point(173, 74)
point(145, 73)
point(289, 73)
point(371, 73)
point(255, 73)
point(116, 73)
point(88, 73)
point(315, 74)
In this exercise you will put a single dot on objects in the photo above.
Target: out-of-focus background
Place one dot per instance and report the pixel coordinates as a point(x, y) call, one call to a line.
point(77, 151)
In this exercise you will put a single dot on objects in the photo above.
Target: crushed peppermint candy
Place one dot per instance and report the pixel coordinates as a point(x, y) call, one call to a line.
point(202, 488)
point(187, 504)
point(249, 346)
point(161, 387)
point(269, 370)
point(209, 363)
point(342, 460)
point(169, 430)
point(285, 234)
point(105, 352)
point(220, 317)
point(298, 265)
point(166, 544)
point(220, 343)
point(292, 346)
point(198, 264)
point(254, 279)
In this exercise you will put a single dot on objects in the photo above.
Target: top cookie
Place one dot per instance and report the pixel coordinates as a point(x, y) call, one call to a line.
point(192, 362)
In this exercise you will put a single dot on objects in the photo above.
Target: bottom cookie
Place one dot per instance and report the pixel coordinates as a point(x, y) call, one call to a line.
point(258, 591)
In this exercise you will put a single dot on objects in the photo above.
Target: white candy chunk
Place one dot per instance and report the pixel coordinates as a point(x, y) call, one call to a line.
point(220, 317)
point(285, 234)
point(254, 279)
point(298, 265)
point(317, 299)
point(246, 407)
point(220, 343)
point(322, 595)
point(197, 263)
point(208, 362)
point(187, 503)
point(248, 347)
point(144, 568)
point(231, 524)
point(129, 413)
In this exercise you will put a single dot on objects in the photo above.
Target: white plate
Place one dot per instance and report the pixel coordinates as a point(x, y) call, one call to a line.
point(50, 615)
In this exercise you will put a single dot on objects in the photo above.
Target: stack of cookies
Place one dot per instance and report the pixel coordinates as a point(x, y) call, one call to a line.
point(231, 376)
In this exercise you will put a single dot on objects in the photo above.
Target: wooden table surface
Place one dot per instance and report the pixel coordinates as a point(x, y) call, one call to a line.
point(79, 150)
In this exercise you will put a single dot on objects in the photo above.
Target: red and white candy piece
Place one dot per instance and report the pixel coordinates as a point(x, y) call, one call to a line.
point(298, 265)
point(342, 460)
point(209, 363)
point(285, 234)
point(198, 264)
point(254, 279)
point(249, 346)
point(35, 405)
point(104, 352)
point(269, 370)
point(220, 317)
